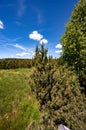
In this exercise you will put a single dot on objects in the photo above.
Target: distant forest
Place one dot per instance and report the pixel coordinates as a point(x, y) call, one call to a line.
point(13, 63)
point(10, 63)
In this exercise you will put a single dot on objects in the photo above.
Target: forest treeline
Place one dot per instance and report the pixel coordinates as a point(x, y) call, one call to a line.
point(10, 63)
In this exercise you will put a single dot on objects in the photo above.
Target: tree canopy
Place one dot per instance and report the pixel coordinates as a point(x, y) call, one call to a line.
point(74, 41)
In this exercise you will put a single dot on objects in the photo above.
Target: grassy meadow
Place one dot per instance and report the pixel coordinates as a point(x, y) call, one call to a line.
point(18, 106)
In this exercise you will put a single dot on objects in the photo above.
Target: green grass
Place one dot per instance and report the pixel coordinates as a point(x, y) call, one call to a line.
point(18, 106)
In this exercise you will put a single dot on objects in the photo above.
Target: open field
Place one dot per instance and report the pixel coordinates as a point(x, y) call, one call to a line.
point(18, 107)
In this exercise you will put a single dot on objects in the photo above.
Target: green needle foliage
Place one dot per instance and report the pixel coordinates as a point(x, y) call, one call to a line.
point(59, 95)
point(68, 104)
point(74, 42)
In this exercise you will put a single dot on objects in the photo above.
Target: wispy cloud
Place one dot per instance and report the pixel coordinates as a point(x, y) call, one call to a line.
point(44, 41)
point(39, 15)
point(18, 23)
point(21, 8)
point(15, 39)
point(59, 46)
point(9, 40)
point(14, 48)
point(19, 47)
point(29, 53)
point(35, 36)
point(58, 51)
point(23, 54)
point(1, 25)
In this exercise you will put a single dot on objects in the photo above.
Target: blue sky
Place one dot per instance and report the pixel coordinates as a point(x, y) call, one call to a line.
point(27, 23)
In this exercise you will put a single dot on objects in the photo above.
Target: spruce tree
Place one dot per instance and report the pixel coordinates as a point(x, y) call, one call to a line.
point(68, 104)
point(59, 95)
point(74, 42)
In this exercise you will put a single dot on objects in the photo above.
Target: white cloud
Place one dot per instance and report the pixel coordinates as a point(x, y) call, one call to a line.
point(35, 36)
point(1, 25)
point(33, 54)
point(19, 46)
point(44, 41)
point(23, 54)
point(58, 51)
point(59, 46)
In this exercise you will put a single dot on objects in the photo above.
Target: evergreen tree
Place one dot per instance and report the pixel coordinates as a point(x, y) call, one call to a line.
point(36, 52)
point(41, 76)
point(43, 53)
point(74, 42)
point(43, 82)
point(36, 56)
point(59, 96)
point(68, 104)
point(40, 55)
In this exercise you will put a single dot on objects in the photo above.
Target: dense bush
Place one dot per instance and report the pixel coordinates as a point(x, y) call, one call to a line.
point(59, 95)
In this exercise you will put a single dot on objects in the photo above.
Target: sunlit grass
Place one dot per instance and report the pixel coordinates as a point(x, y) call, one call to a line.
point(18, 106)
